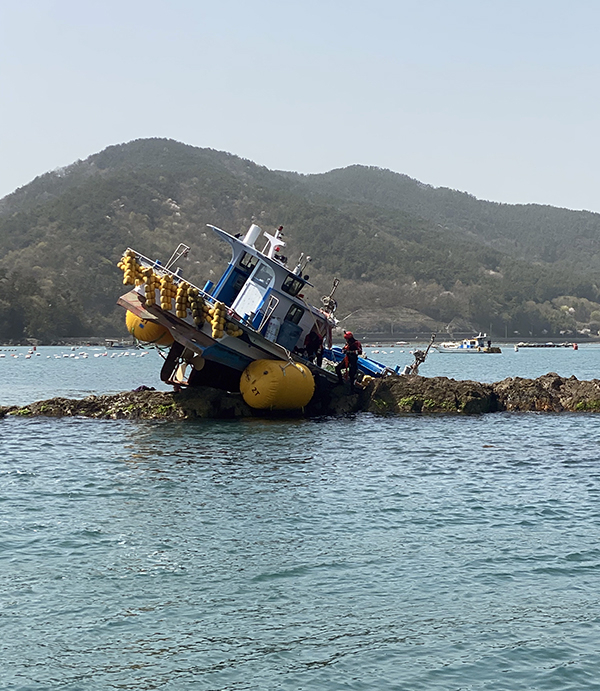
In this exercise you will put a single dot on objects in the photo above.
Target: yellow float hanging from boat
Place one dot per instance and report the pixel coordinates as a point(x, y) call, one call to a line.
point(276, 385)
point(147, 331)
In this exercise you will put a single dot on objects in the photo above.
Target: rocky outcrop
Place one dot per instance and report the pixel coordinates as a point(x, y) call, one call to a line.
point(126, 405)
point(188, 404)
point(548, 393)
point(147, 405)
point(389, 396)
point(394, 395)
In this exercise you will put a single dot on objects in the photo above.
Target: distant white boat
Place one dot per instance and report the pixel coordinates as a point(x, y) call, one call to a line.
point(121, 344)
point(477, 344)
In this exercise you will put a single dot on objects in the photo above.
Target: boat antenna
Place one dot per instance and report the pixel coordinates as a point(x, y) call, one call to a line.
point(298, 270)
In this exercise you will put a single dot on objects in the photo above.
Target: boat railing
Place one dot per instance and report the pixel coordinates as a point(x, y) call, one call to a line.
point(162, 270)
point(271, 307)
point(181, 251)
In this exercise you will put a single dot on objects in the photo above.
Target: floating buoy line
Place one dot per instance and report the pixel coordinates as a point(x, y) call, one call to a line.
point(173, 298)
point(14, 354)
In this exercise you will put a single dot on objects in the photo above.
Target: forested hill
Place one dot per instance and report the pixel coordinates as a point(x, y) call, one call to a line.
point(410, 257)
point(532, 232)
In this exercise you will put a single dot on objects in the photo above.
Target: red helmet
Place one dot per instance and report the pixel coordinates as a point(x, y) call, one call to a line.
point(348, 334)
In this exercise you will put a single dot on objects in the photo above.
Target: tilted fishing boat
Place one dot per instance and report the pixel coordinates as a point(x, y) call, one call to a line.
point(246, 332)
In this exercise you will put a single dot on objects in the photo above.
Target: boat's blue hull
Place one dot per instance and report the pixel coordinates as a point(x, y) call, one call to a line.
point(365, 365)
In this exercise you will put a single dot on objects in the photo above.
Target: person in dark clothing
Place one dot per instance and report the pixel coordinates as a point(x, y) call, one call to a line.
point(352, 349)
point(313, 345)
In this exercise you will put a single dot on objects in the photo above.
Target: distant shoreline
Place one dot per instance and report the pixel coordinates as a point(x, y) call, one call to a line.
point(365, 338)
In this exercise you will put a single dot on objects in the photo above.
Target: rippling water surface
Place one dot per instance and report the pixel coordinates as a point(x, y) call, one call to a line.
point(413, 553)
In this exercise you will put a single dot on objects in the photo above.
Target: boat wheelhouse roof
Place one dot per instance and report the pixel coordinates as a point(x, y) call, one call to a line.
point(271, 252)
point(264, 269)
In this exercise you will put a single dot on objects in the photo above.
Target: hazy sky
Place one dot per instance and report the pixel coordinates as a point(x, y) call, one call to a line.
point(498, 99)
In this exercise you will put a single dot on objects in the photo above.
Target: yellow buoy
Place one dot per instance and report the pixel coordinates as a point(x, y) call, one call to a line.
point(148, 331)
point(276, 385)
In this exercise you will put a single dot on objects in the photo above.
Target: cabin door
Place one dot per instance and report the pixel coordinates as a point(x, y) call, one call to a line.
point(252, 295)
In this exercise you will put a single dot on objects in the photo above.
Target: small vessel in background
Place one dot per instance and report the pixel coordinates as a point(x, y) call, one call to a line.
point(548, 344)
point(113, 343)
point(476, 344)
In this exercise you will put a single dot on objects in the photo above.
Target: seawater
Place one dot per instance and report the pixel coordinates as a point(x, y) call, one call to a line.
point(410, 553)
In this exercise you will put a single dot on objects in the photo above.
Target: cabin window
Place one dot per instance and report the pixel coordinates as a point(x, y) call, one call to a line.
point(292, 286)
point(238, 284)
point(248, 261)
point(294, 314)
point(263, 276)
